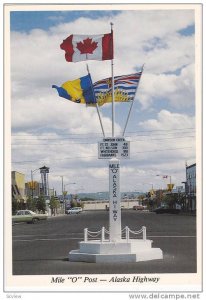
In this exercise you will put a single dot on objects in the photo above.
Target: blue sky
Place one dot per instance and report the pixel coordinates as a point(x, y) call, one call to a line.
point(25, 21)
point(49, 130)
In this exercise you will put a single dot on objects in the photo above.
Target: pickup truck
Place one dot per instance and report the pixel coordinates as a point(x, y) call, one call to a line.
point(28, 216)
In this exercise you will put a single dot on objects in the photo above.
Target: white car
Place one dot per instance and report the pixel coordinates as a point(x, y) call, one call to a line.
point(74, 210)
point(28, 216)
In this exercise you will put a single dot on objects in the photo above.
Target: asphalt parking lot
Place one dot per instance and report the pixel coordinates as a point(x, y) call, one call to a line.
point(43, 248)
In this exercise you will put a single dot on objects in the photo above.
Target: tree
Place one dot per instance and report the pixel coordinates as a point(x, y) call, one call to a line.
point(31, 204)
point(170, 199)
point(141, 198)
point(17, 205)
point(73, 203)
point(41, 204)
point(54, 204)
point(14, 206)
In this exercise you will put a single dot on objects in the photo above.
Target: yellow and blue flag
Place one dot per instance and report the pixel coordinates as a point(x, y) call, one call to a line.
point(79, 90)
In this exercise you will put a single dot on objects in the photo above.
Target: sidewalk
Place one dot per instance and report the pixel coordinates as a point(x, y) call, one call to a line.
point(188, 213)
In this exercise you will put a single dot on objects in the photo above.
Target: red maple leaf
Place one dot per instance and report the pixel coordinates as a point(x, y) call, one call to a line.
point(87, 46)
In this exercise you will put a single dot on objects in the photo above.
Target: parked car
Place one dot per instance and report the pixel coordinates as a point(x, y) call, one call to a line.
point(74, 210)
point(28, 216)
point(122, 207)
point(165, 209)
point(138, 207)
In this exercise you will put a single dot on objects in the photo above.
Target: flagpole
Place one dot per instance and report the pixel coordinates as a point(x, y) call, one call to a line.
point(100, 119)
point(131, 105)
point(112, 73)
point(97, 108)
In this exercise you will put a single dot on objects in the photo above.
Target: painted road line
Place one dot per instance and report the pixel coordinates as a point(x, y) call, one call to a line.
point(76, 238)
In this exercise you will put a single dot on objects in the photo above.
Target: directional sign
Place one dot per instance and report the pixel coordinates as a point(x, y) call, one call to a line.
point(113, 147)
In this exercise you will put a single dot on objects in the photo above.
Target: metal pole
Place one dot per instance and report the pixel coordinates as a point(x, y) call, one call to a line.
point(32, 185)
point(127, 233)
point(85, 234)
point(97, 107)
point(63, 193)
point(48, 194)
point(100, 120)
point(131, 105)
point(103, 235)
point(144, 233)
point(32, 194)
point(128, 117)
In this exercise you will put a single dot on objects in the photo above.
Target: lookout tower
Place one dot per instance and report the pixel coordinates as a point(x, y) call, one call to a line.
point(44, 171)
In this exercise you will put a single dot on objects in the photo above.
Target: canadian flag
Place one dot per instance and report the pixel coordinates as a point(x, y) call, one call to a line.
point(88, 47)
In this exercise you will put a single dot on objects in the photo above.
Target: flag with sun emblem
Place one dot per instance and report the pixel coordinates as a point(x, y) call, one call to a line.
point(125, 87)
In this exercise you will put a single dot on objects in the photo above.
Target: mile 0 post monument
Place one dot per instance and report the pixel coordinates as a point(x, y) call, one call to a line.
point(115, 243)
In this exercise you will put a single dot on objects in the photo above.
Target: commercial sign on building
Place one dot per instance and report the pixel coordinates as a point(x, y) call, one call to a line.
point(170, 186)
point(113, 147)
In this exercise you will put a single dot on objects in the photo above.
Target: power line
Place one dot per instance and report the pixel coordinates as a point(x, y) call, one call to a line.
point(88, 134)
point(79, 157)
point(94, 143)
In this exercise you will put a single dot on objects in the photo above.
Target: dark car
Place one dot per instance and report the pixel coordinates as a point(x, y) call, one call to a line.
point(168, 210)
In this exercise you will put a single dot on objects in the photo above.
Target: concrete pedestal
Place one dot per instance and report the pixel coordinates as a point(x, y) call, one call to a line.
point(133, 250)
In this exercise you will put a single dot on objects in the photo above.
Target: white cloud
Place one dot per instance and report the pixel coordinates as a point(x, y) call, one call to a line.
point(178, 90)
point(167, 120)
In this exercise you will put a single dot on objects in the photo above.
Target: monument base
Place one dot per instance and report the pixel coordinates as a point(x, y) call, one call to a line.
point(133, 250)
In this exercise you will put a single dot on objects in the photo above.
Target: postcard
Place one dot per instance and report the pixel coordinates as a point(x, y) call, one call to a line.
point(103, 149)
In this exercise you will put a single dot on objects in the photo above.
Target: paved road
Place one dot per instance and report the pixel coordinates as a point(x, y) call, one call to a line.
point(43, 248)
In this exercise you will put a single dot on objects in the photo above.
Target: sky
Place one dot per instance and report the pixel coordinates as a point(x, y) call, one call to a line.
point(48, 130)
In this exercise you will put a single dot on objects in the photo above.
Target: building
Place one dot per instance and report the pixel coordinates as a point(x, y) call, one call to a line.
point(190, 187)
point(33, 189)
point(18, 186)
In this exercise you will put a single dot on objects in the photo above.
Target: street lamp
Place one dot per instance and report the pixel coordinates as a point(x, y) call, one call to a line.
point(68, 184)
point(64, 201)
point(32, 184)
point(186, 195)
point(62, 180)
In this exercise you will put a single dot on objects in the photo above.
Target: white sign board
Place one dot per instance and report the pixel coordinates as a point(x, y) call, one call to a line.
point(113, 147)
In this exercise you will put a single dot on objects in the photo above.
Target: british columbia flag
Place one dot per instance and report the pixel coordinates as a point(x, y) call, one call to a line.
point(125, 87)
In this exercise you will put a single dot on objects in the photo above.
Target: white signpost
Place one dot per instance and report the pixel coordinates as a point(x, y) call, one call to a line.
point(114, 201)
